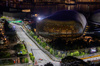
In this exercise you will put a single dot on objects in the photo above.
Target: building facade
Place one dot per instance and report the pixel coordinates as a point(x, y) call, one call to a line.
point(62, 24)
point(47, 7)
point(2, 33)
point(18, 3)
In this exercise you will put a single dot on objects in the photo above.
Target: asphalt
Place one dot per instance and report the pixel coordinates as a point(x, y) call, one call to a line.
point(32, 48)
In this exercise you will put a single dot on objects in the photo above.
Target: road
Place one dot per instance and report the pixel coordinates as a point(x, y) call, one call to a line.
point(32, 48)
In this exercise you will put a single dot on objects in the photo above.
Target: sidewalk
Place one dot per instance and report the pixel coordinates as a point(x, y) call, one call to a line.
point(89, 55)
point(30, 61)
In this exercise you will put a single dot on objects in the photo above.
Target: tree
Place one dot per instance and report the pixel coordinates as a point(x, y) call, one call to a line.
point(73, 61)
point(48, 64)
point(7, 55)
point(6, 27)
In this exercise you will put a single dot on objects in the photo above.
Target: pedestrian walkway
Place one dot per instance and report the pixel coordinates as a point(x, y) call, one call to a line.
point(30, 61)
point(25, 64)
point(91, 57)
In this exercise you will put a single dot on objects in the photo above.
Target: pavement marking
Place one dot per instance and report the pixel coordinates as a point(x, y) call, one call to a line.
point(91, 57)
point(26, 43)
point(29, 44)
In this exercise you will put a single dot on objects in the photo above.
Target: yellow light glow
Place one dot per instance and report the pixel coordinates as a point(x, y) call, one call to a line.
point(36, 15)
point(0, 29)
point(2, 33)
point(35, 30)
point(5, 39)
point(27, 10)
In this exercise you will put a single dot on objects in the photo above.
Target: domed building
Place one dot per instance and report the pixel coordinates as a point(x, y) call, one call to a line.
point(95, 23)
point(95, 18)
point(63, 24)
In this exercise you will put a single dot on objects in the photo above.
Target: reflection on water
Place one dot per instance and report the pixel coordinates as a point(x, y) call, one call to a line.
point(49, 9)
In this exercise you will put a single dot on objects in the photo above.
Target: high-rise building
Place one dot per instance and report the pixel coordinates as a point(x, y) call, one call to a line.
point(18, 3)
point(51, 6)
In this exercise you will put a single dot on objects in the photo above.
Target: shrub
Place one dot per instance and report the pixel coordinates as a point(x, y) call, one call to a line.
point(68, 53)
point(43, 44)
point(71, 54)
point(82, 53)
point(26, 60)
point(76, 53)
point(31, 33)
point(32, 58)
point(30, 54)
point(27, 31)
point(7, 55)
point(35, 37)
point(86, 50)
point(38, 40)
point(13, 19)
point(51, 51)
point(63, 55)
point(98, 49)
point(59, 54)
point(56, 56)
point(47, 47)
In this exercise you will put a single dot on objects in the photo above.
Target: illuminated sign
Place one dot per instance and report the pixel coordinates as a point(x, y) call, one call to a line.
point(15, 21)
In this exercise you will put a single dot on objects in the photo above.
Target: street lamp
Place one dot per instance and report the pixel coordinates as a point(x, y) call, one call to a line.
point(39, 18)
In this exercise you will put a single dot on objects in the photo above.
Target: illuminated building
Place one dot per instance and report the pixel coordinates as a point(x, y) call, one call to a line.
point(18, 3)
point(2, 32)
point(47, 7)
point(62, 24)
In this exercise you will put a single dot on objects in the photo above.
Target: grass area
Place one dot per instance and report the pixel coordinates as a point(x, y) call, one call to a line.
point(4, 55)
point(20, 48)
point(23, 49)
point(6, 62)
